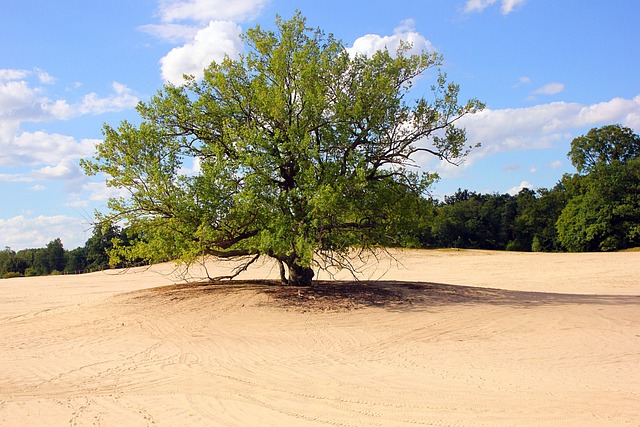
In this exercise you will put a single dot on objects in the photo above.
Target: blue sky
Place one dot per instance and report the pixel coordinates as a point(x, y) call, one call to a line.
point(547, 70)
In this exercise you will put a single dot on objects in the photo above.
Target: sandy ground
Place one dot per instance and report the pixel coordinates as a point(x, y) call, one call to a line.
point(426, 338)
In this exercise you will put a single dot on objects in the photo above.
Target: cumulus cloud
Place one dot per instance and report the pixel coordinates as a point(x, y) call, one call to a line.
point(515, 190)
point(207, 31)
point(405, 32)
point(121, 99)
point(212, 43)
point(66, 169)
point(18, 103)
point(23, 101)
point(34, 148)
point(21, 232)
point(8, 74)
point(539, 127)
point(193, 170)
point(507, 6)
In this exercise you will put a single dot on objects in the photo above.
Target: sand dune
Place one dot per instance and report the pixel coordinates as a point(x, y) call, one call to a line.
point(426, 338)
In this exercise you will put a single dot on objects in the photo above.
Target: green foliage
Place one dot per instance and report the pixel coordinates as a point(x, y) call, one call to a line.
point(54, 259)
point(536, 246)
point(603, 210)
point(535, 224)
point(471, 220)
point(76, 261)
point(301, 149)
point(95, 253)
point(603, 213)
point(524, 222)
point(604, 146)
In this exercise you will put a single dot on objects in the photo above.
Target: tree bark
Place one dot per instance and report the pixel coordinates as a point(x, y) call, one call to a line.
point(283, 274)
point(299, 276)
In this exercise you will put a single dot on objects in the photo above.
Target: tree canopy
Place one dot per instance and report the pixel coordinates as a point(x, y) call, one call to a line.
point(603, 211)
point(296, 150)
point(603, 146)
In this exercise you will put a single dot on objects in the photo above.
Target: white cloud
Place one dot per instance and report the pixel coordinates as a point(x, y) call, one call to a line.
point(18, 102)
point(550, 89)
point(33, 148)
point(405, 32)
point(522, 81)
point(194, 170)
point(94, 191)
point(99, 191)
point(515, 190)
point(13, 74)
point(507, 6)
point(9, 74)
point(200, 45)
point(66, 169)
point(44, 77)
point(477, 5)
point(556, 164)
point(206, 10)
point(15, 177)
point(213, 43)
point(21, 102)
point(538, 127)
point(38, 187)
point(618, 110)
point(21, 232)
point(121, 99)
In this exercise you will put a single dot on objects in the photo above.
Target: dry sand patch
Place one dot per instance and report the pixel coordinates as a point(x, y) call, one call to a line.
point(135, 349)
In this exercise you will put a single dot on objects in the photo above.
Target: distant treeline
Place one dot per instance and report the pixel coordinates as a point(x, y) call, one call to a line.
point(54, 259)
point(522, 222)
point(580, 214)
point(597, 209)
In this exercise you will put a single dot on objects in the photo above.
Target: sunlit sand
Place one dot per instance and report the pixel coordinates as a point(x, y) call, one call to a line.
point(425, 338)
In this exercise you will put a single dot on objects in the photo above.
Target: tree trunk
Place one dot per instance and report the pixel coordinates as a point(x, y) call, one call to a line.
point(283, 274)
point(299, 276)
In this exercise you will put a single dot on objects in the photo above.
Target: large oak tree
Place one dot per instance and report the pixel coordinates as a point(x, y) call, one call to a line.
point(296, 150)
